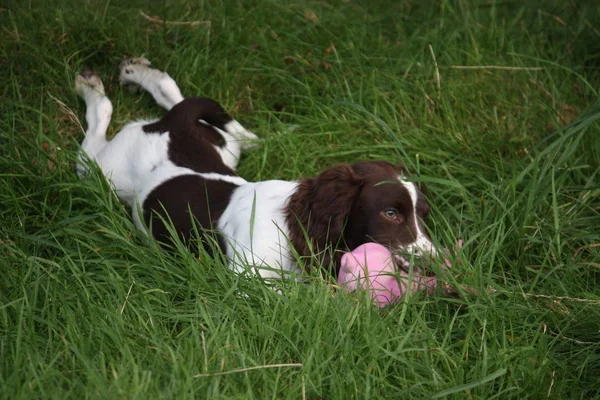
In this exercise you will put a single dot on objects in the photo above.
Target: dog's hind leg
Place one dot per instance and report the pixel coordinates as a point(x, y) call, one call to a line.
point(99, 110)
point(136, 72)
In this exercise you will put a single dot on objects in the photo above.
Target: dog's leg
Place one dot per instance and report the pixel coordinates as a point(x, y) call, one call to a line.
point(244, 138)
point(99, 110)
point(136, 72)
point(237, 138)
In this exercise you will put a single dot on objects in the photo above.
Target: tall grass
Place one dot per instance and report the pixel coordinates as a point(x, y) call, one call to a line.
point(510, 157)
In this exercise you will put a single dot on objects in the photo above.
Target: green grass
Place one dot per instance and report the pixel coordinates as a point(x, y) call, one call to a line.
point(88, 310)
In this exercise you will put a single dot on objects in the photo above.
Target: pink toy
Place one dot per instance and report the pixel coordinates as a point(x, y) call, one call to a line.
point(370, 266)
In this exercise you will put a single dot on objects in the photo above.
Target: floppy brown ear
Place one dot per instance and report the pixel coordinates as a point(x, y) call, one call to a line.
point(317, 211)
point(334, 192)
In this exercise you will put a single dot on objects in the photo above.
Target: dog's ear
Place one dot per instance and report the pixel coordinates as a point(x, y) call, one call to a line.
point(332, 195)
point(317, 211)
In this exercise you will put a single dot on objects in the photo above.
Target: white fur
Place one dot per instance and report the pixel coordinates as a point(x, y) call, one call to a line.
point(230, 153)
point(422, 245)
point(136, 72)
point(247, 138)
point(135, 163)
point(98, 113)
point(254, 222)
point(236, 138)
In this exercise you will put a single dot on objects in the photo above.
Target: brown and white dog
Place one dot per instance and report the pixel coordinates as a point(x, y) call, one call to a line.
point(182, 168)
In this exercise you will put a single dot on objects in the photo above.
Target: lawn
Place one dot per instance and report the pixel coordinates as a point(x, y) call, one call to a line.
point(493, 106)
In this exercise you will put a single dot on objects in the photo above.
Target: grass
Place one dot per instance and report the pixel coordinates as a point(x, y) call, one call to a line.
point(510, 158)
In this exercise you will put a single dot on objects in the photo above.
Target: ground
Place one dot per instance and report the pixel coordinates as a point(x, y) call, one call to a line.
point(493, 106)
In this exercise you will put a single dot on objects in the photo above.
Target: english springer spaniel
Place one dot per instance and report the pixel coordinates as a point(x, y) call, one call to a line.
point(181, 169)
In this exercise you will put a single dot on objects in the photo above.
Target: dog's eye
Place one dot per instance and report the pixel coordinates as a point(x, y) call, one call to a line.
point(391, 213)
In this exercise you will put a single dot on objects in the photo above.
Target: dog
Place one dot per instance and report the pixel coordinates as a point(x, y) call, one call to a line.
point(180, 169)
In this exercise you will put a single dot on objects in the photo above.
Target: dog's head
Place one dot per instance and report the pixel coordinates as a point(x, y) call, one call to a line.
point(349, 205)
point(388, 210)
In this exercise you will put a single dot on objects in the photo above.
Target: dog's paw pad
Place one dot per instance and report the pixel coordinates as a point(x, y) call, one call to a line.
point(134, 61)
point(128, 68)
point(87, 82)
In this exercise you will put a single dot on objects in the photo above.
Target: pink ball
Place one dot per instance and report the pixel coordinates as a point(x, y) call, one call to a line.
point(371, 267)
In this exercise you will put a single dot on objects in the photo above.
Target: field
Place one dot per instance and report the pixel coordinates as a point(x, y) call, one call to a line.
point(492, 105)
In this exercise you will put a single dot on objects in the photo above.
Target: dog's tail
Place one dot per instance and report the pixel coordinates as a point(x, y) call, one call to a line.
point(203, 108)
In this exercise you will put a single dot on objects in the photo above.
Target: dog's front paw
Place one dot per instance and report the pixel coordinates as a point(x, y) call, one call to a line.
point(132, 61)
point(88, 83)
point(130, 71)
